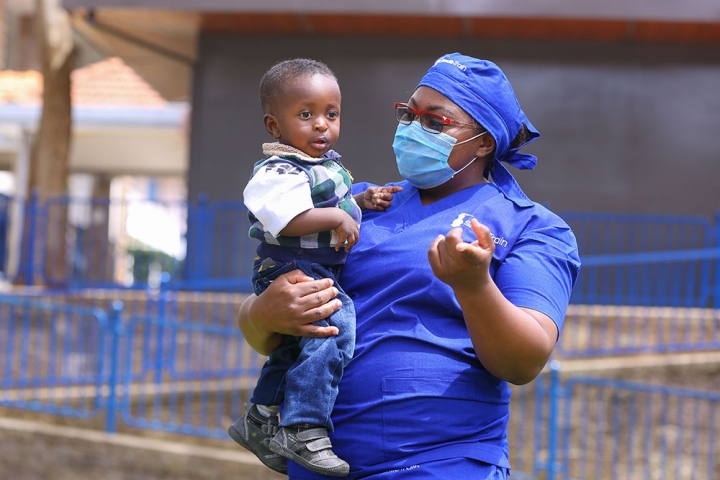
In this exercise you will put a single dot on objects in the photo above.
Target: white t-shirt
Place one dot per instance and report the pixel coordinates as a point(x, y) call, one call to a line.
point(276, 194)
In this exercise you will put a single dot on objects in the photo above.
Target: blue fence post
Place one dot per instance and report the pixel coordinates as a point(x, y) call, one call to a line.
point(195, 240)
point(31, 210)
point(115, 332)
point(160, 349)
point(165, 290)
point(553, 425)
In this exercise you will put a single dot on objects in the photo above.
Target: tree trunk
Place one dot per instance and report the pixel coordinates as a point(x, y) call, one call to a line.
point(52, 145)
point(49, 159)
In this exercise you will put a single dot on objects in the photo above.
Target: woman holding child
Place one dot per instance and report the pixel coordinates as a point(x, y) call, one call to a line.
point(460, 287)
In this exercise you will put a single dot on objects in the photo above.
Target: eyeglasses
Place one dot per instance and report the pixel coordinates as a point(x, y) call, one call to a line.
point(430, 122)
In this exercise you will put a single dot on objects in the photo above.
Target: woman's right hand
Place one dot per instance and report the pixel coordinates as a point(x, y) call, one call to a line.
point(289, 306)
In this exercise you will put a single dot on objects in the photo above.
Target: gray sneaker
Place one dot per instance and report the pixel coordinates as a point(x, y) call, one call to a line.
point(309, 445)
point(254, 431)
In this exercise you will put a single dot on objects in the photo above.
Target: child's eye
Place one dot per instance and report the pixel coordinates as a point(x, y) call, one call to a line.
point(305, 115)
point(333, 115)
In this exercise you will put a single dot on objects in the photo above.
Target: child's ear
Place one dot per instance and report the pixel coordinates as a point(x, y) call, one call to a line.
point(271, 125)
point(486, 147)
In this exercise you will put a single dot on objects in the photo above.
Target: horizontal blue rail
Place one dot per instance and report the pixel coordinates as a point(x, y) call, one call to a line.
point(217, 252)
point(639, 258)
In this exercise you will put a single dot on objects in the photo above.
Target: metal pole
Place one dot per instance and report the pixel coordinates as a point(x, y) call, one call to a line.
point(553, 425)
point(160, 348)
point(115, 325)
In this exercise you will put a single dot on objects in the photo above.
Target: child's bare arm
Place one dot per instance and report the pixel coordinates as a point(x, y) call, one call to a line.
point(318, 220)
point(377, 198)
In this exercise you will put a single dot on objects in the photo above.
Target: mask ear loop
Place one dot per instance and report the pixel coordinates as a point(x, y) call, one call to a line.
point(463, 168)
point(471, 139)
point(474, 158)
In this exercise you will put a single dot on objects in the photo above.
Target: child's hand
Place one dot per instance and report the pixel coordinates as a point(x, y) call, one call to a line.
point(377, 198)
point(348, 232)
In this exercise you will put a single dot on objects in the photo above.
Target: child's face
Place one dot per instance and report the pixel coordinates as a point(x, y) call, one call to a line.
point(307, 115)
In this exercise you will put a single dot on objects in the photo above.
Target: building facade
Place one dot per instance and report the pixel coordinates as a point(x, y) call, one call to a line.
point(624, 93)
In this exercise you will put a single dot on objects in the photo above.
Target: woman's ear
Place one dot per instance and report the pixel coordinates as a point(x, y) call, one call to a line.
point(271, 125)
point(486, 146)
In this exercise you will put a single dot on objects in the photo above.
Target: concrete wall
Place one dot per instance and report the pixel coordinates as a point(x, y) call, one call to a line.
point(625, 127)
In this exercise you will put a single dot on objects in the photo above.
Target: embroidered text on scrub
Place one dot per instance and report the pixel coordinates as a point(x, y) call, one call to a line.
point(464, 220)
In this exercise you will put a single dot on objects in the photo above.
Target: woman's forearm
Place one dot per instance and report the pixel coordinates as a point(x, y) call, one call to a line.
point(262, 341)
point(511, 342)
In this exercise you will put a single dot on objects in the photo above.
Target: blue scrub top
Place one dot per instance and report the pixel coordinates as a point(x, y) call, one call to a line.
point(415, 391)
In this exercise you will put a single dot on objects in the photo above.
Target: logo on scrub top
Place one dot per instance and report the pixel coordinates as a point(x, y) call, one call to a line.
point(463, 220)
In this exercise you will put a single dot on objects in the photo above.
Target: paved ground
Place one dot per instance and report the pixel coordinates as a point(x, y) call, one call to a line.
point(31, 450)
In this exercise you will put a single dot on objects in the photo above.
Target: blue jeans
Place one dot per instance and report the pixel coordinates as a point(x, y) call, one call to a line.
point(304, 373)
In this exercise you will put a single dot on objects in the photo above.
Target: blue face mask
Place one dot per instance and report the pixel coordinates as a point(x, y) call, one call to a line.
point(422, 157)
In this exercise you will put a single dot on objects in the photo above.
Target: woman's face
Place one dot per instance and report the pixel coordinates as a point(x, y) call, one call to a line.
point(425, 98)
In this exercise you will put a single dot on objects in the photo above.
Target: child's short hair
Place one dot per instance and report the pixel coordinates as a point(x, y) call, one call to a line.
point(283, 72)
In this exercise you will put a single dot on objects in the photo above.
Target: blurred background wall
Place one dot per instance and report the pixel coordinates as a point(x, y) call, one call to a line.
point(624, 94)
point(624, 127)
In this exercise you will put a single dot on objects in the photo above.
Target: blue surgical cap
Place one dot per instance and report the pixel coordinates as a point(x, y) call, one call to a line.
point(481, 89)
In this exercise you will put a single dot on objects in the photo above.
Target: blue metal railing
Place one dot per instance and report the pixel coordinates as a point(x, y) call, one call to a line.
point(647, 260)
point(649, 305)
point(600, 233)
point(49, 353)
point(93, 243)
point(219, 242)
point(633, 267)
point(618, 429)
point(72, 360)
point(190, 377)
point(188, 381)
point(628, 259)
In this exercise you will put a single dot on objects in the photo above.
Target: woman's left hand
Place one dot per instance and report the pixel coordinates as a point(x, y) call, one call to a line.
point(460, 264)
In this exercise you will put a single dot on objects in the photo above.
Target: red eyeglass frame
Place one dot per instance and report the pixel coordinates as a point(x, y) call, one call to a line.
point(442, 118)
